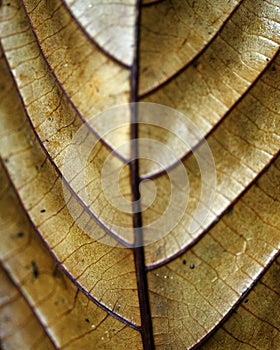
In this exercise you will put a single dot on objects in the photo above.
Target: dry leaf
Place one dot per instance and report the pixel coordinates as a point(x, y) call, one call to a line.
point(217, 65)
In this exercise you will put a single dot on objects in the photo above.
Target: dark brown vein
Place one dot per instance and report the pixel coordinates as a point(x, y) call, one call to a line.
point(138, 250)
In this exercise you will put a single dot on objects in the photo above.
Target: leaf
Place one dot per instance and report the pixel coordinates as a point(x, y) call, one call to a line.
point(62, 63)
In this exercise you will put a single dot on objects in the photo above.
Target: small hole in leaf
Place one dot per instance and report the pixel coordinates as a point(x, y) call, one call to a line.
point(43, 210)
point(184, 262)
point(192, 266)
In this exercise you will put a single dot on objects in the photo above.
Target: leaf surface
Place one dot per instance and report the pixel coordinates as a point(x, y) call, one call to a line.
point(19, 326)
point(217, 65)
point(106, 22)
point(65, 313)
point(246, 328)
point(42, 195)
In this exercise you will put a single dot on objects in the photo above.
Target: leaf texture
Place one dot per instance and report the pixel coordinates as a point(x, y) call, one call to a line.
point(105, 22)
point(19, 326)
point(62, 63)
point(54, 299)
point(253, 326)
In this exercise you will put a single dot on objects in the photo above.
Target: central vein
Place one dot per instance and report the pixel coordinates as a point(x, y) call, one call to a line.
point(138, 250)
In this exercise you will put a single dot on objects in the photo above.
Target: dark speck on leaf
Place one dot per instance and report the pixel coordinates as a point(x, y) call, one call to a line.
point(192, 266)
point(273, 69)
point(184, 262)
point(87, 320)
point(43, 210)
point(267, 59)
point(6, 160)
point(20, 234)
point(246, 301)
point(35, 269)
point(55, 271)
point(159, 251)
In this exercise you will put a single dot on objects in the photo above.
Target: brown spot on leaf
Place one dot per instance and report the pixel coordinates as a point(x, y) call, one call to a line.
point(35, 269)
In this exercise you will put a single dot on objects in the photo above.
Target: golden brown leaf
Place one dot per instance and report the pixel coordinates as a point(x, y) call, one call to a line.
point(81, 281)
